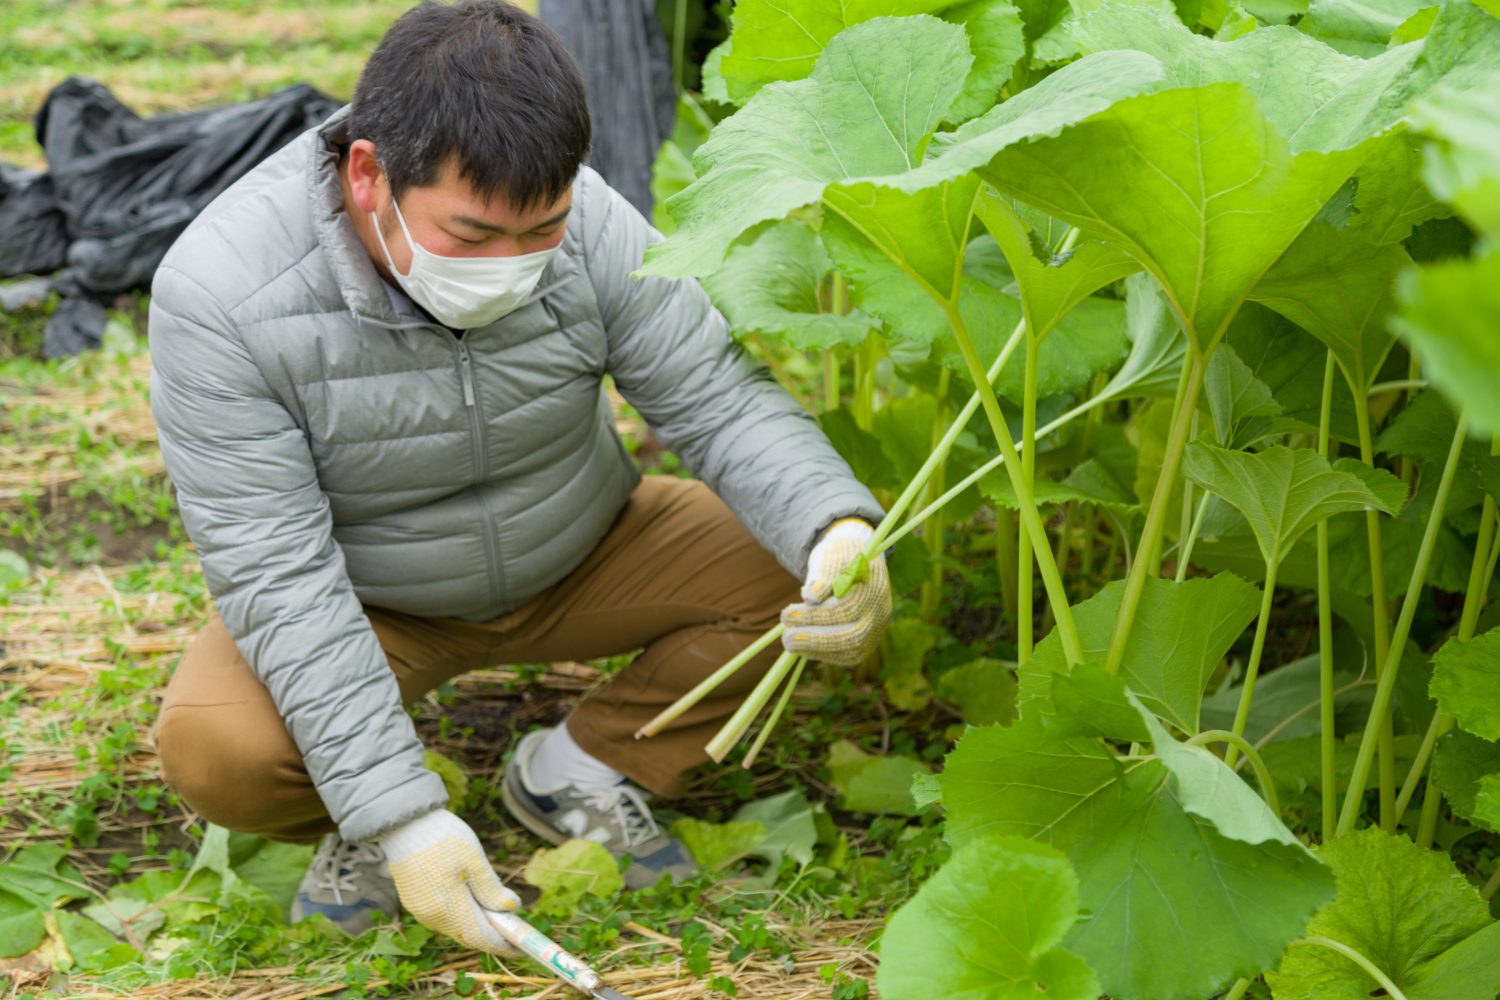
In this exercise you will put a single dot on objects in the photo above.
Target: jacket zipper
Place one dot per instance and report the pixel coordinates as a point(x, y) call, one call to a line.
point(481, 467)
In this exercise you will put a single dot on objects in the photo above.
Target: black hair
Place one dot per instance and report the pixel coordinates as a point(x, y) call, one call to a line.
point(481, 81)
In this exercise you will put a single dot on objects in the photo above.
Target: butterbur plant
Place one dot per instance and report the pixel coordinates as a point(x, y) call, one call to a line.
point(1180, 259)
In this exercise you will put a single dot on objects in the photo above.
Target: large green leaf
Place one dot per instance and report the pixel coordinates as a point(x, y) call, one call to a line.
point(867, 109)
point(1400, 906)
point(1358, 27)
point(1315, 97)
point(1158, 346)
point(1195, 184)
point(769, 285)
point(995, 39)
point(1282, 492)
point(1449, 314)
point(1184, 890)
point(1051, 284)
point(1339, 290)
point(1460, 766)
point(790, 829)
point(1390, 198)
point(1466, 682)
point(36, 879)
point(1463, 160)
point(1423, 432)
point(572, 870)
point(870, 783)
point(987, 927)
point(1181, 632)
point(775, 41)
point(1240, 403)
point(715, 845)
point(865, 115)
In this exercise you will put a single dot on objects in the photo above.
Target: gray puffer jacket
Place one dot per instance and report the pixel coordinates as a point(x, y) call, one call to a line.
point(332, 445)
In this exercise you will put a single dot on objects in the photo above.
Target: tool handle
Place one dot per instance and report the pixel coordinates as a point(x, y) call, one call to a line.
point(542, 948)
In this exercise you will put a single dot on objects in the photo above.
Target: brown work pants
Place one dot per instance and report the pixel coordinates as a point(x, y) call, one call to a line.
point(677, 574)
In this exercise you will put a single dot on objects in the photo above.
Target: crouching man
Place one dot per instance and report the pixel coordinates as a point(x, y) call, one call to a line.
point(377, 366)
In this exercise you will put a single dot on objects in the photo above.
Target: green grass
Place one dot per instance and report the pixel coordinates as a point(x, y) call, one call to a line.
point(169, 55)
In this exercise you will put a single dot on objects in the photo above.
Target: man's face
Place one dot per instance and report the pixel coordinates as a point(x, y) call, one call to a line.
point(448, 218)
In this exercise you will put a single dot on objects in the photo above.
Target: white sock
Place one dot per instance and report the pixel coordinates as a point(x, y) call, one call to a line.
point(559, 761)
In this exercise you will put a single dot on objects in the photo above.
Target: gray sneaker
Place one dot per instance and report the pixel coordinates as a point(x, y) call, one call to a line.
point(613, 815)
point(346, 882)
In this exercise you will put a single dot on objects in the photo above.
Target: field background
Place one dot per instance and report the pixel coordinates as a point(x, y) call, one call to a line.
point(113, 593)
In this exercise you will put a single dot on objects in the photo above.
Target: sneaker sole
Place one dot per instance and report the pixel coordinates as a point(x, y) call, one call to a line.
point(524, 817)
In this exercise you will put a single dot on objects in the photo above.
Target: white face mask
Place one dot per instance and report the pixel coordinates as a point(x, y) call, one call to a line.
point(465, 292)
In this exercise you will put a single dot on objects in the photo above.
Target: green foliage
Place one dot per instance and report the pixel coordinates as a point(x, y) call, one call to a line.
point(1406, 909)
point(716, 845)
point(571, 871)
point(1020, 898)
point(872, 784)
point(455, 781)
point(1283, 492)
point(1157, 927)
point(1466, 683)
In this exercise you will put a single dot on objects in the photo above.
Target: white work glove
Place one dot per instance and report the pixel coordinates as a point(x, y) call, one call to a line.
point(443, 878)
point(841, 630)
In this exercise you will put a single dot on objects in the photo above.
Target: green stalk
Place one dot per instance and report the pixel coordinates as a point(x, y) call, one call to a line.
point(1135, 583)
point(1192, 534)
point(1006, 526)
point(775, 716)
point(876, 545)
point(1371, 969)
point(1025, 597)
point(915, 521)
point(1238, 742)
point(1386, 680)
point(1490, 887)
point(1067, 630)
point(1238, 990)
point(1468, 621)
point(830, 380)
point(718, 747)
point(865, 360)
point(713, 680)
point(1064, 530)
point(1247, 690)
point(932, 534)
point(1325, 631)
point(1380, 615)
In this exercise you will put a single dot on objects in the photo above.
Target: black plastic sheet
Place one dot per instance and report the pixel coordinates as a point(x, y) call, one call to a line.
point(123, 187)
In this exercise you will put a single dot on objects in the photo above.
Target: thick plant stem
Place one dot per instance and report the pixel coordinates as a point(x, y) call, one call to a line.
point(1380, 619)
point(830, 380)
point(932, 533)
point(718, 748)
point(1006, 524)
point(1186, 555)
point(710, 682)
point(1067, 630)
point(1156, 517)
point(876, 545)
point(865, 360)
point(1492, 886)
point(1238, 742)
point(1468, 620)
point(1385, 684)
point(775, 716)
point(1252, 669)
point(1025, 599)
point(1238, 990)
point(1371, 969)
point(1326, 742)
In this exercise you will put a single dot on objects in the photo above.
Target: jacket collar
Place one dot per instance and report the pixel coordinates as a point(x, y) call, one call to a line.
point(368, 296)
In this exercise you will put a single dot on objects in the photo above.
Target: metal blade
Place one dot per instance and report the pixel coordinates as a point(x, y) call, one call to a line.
point(605, 993)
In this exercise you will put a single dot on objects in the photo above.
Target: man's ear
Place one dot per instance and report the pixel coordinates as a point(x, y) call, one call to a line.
point(366, 179)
